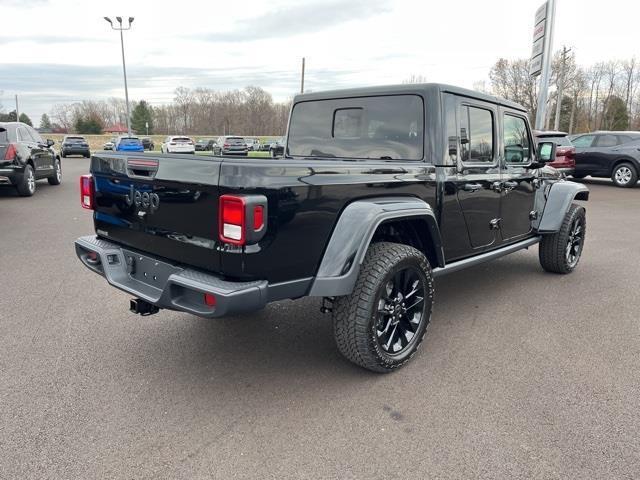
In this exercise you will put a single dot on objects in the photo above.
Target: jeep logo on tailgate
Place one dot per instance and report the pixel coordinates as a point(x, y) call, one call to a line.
point(147, 201)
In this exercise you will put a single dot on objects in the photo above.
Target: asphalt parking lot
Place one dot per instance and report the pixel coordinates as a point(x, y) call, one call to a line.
point(523, 374)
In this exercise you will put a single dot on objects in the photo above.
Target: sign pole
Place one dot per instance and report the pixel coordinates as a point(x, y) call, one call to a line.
point(546, 65)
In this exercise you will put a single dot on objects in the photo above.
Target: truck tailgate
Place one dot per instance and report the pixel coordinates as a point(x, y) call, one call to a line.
point(165, 205)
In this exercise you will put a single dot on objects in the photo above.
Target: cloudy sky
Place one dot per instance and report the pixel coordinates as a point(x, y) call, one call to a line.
point(63, 50)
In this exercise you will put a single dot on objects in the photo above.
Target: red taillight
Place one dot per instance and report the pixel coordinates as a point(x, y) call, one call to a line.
point(226, 145)
point(210, 299)
point(258, 218)
point(232, 219)
point(87, 192)
point(11, 152)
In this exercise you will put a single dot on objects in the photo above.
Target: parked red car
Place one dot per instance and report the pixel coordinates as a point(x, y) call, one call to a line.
point(565, 151)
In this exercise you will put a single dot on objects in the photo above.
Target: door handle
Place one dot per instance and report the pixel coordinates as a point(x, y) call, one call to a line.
point(510, 185)
point(496, 186)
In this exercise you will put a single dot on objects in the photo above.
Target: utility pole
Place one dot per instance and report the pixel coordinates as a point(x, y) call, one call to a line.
point(546, 65)
point(302, 78)
point(120, 28)
point(556, 122)
point(17, 110)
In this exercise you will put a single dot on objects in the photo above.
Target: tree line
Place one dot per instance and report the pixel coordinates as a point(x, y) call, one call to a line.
point(603, 96)
point(250, 111)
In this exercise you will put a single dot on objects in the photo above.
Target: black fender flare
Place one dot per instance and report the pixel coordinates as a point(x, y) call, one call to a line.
point(558, 199)
point(352, 235)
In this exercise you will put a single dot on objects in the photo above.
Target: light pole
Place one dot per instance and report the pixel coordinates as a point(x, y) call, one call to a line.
point(120, 28)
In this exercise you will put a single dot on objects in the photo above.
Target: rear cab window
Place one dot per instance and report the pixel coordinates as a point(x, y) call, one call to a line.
point(388, 127)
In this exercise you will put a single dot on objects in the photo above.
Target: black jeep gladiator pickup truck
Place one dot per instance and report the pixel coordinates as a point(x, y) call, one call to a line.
point(380, 191)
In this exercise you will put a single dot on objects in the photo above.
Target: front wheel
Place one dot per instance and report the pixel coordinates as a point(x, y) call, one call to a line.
point(560, 252)
point(624, 175)
point(381, 324)
point(56, 178)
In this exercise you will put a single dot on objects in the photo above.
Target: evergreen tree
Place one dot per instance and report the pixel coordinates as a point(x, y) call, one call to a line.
point(45, 122)
point(141, 115)
point(24, 118)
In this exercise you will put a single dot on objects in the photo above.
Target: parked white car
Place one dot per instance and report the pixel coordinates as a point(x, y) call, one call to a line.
point(178, 144)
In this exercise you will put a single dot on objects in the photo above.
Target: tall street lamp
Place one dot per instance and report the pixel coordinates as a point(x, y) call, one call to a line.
point(120, 28)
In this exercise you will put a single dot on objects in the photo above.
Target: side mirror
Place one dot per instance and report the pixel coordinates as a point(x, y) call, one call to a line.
point(546, 152)
point(50, 143)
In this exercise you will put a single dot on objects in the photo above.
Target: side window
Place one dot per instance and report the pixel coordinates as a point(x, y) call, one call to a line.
point(517, 145)
point(35, 135)
point(606, 141)
point(584, 141)
point(23, 135)
point(476, 135)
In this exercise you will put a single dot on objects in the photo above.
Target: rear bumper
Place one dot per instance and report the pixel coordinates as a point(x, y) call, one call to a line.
point(167, 285)
point(11, 176)
point(76, 151)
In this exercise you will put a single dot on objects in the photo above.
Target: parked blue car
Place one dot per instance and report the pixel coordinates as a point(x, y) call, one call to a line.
point(129, 144)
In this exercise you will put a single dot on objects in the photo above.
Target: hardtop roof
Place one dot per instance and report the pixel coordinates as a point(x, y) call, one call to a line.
point(411, 88)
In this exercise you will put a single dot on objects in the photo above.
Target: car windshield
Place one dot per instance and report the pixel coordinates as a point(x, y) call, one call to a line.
point(235, 140)
point(75, 140)
point(181, 139)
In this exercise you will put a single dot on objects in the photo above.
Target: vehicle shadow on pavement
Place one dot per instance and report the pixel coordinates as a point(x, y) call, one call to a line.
point(289, 343)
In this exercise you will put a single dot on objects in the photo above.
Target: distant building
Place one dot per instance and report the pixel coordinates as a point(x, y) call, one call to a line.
point(117, 129)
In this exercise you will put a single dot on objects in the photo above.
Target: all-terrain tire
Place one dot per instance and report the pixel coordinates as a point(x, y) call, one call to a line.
point(559, 252)
point(355, 316)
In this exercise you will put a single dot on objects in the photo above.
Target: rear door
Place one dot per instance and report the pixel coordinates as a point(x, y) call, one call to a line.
point(478, 179)
point(36, 153)
point(518, 188)
point(604, 153)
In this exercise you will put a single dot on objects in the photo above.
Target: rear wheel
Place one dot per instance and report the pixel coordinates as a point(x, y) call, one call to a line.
point(27, 186)
point(381, 324)
point(624, 175)
point(56, 178)
point(560, 252)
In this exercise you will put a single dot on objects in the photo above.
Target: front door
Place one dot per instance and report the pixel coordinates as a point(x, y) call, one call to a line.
point(479, 176)
point(518, 186)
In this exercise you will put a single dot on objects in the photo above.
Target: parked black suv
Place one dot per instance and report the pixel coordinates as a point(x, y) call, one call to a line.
point(148, 144)
point(25, 157)
point(74, 145)
point(380, 191)
point(614, 155)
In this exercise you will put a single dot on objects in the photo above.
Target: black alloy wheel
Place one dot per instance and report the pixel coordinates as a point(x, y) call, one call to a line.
point(400, 310)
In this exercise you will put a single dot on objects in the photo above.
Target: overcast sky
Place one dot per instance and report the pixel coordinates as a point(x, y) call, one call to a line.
point(62, 50)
